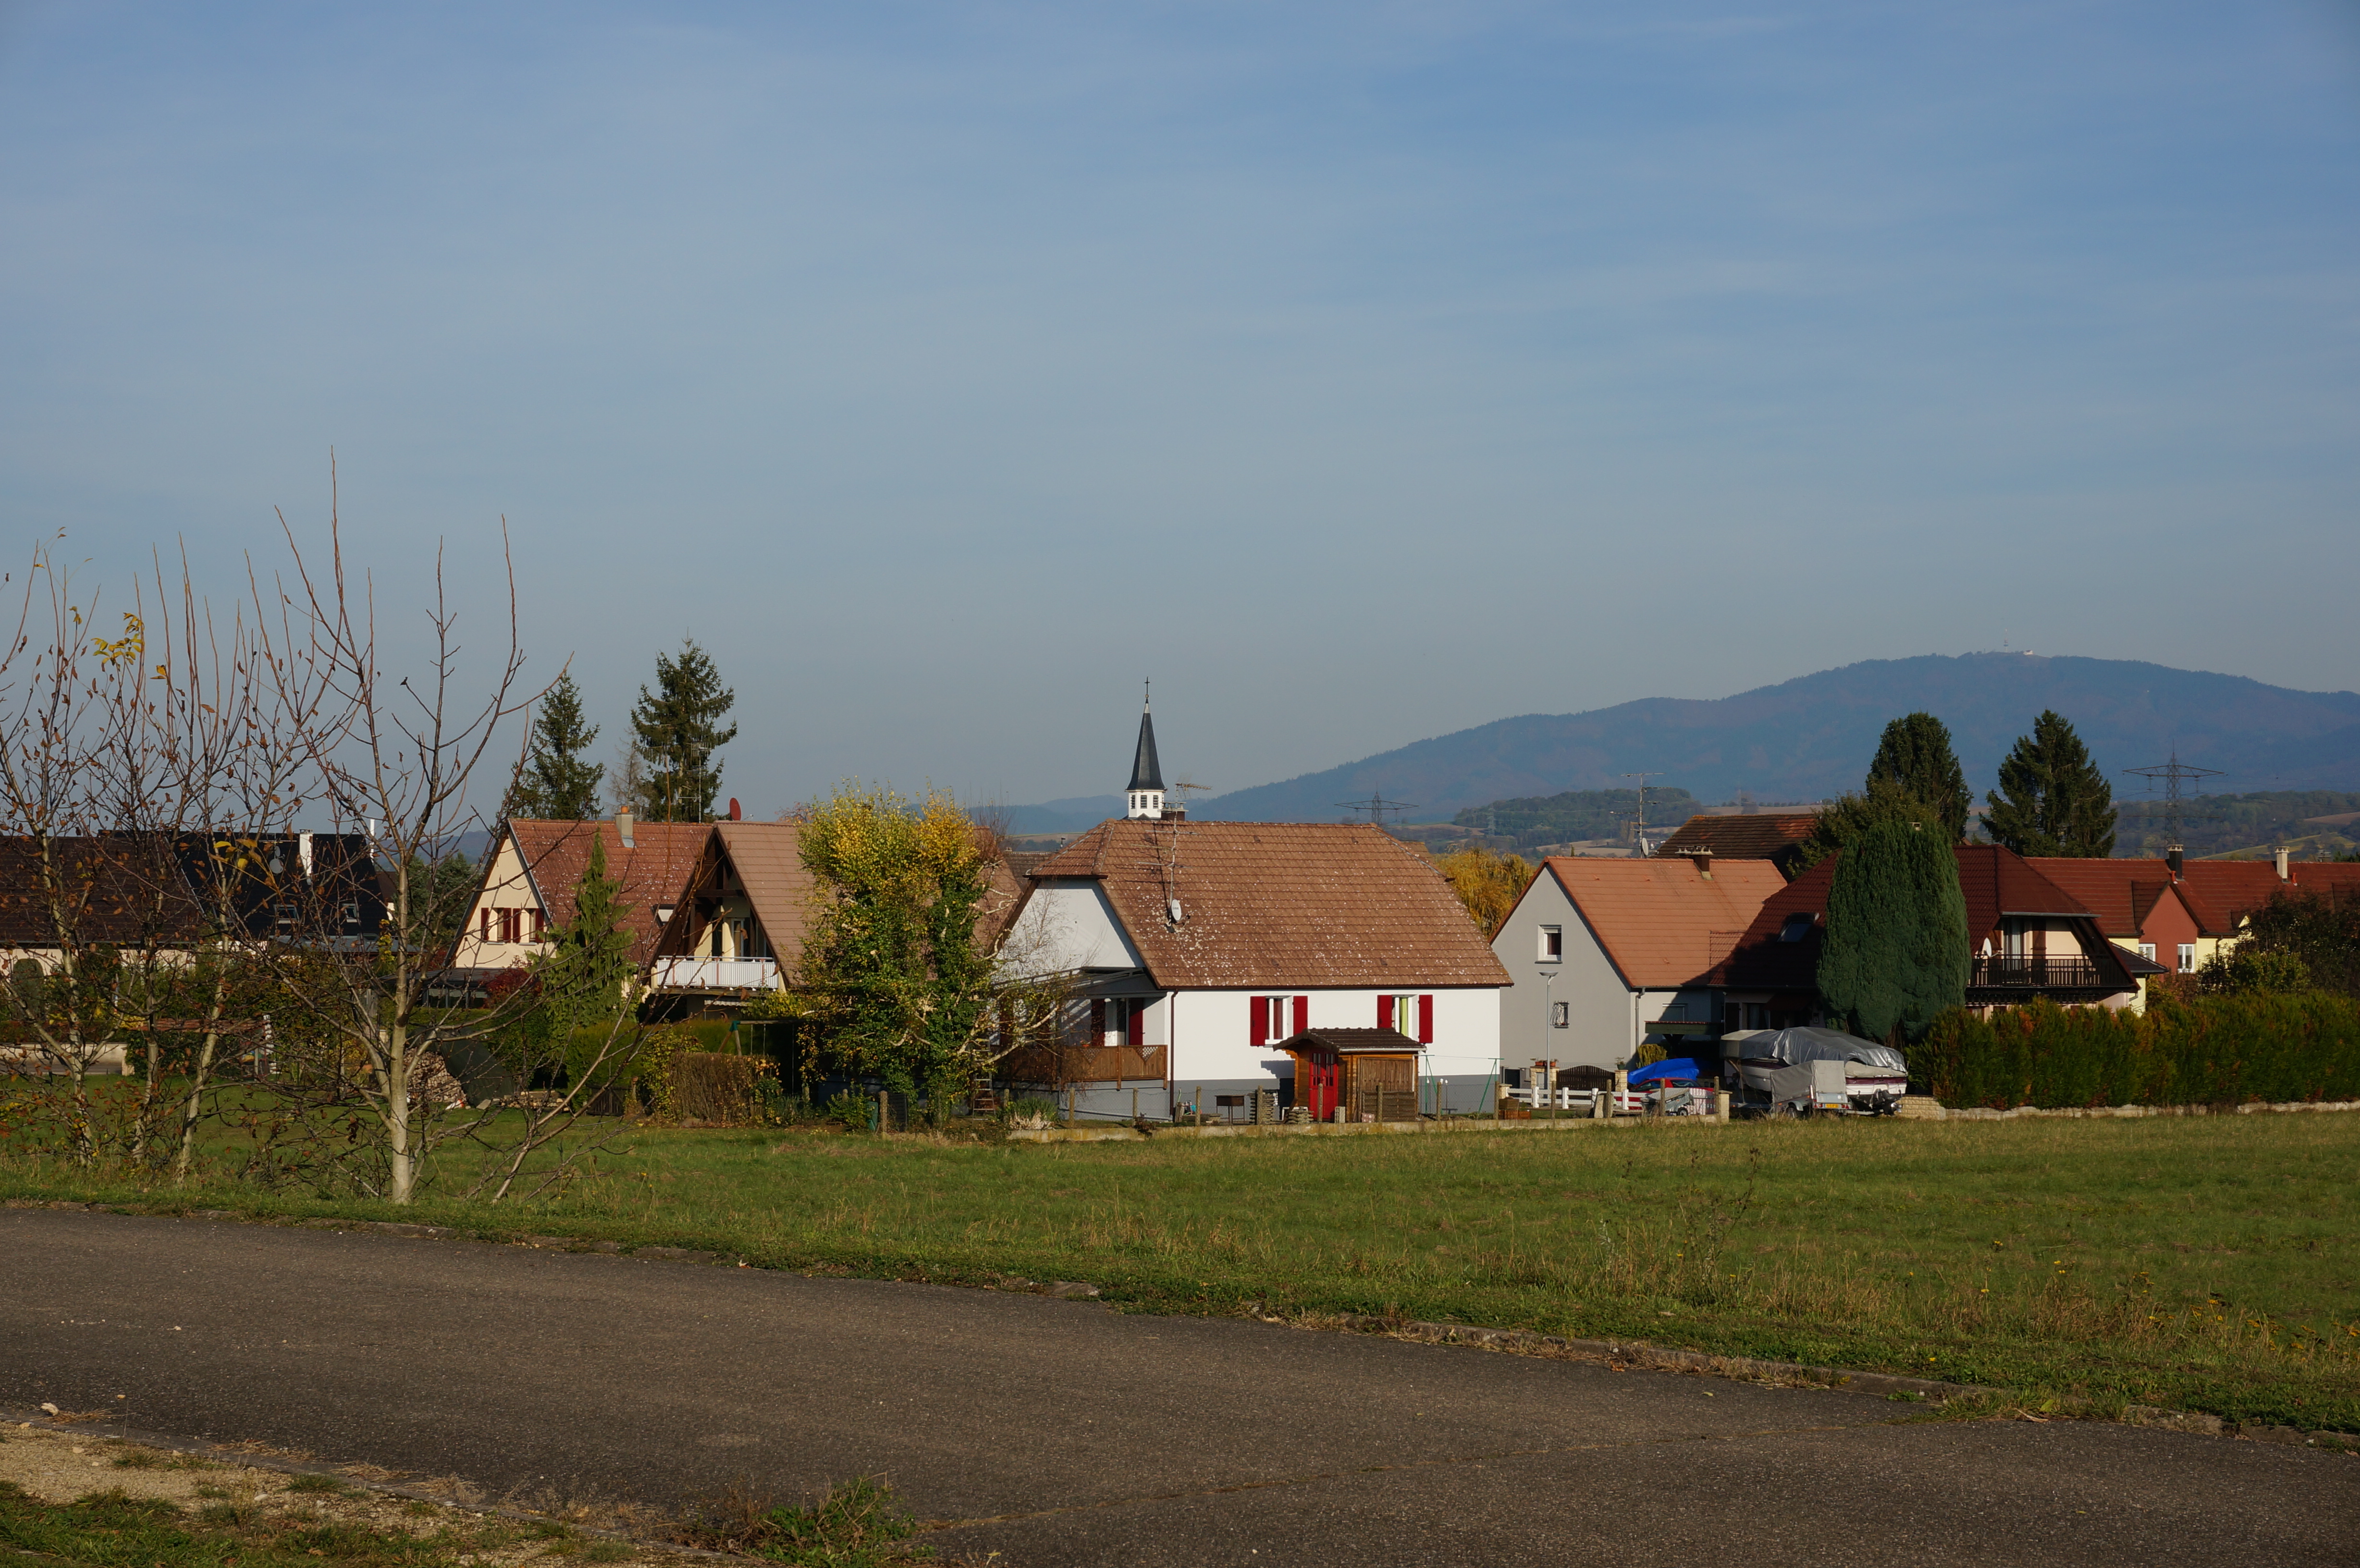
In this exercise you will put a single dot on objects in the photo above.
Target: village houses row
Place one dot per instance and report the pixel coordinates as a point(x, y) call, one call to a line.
point(1328, 965)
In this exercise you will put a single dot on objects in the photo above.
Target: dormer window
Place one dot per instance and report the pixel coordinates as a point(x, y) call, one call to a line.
point(1796, 928)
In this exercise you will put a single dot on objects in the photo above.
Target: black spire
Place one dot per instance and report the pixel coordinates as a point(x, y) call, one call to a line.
point(1146, 773)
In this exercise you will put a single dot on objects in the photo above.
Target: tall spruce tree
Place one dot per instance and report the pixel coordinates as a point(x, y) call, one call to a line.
point(2051, 798)
point(678, 729)
point(1849, 816)
point(1895, 954)
point(557, 782)
point(1915, 756)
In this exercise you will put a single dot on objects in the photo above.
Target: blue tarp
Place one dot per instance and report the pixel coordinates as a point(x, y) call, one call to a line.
point(1679, 1070)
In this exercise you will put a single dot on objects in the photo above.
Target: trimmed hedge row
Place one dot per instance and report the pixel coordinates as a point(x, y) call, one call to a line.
point(2209, 1051)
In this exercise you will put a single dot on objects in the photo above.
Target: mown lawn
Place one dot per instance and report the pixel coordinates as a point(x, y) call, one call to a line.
point(2211, 1263)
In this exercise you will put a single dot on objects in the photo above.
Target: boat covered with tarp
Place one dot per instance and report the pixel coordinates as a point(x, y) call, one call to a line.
point(1803, 1069)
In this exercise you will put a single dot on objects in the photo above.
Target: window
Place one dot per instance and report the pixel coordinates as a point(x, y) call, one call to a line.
point(284, 914)
point(1796, 928)
point(1552, 944)
point(1226, 1101)
point(1120, 1013)
point(2186, 957)
point(352, 913)
point(1275, 1019)
point(2146, 950)
point(511, 925)
point(1561, 1014)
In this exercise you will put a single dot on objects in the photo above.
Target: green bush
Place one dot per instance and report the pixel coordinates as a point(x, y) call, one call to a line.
point(2210, 1051)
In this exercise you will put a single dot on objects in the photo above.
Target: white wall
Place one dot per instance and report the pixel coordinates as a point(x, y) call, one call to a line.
point(1067, 927)
point(506, 888)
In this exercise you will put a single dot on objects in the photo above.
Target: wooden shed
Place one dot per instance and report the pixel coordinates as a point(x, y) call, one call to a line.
point(1370, 1072)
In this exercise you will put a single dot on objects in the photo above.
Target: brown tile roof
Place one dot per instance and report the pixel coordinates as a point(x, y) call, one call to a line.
point(1765, 835)
point(2235, 888)
point(124, 890)
point(2120, 893)
point(1281, 905)
point(769, 859)
point(1663, 922)
point(556, 854)
point(1995, 882)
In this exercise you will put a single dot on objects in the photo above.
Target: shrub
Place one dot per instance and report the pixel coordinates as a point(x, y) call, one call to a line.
point(2213, 1050)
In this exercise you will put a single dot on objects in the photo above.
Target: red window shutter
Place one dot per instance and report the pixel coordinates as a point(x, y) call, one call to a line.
point(1097, 1022)
point(1425, 1020)
point(485, 922)
point(1384, 1012)
point(1301, 1014)
point(1259, 1030)
point(539, 923)
point(1134, 1032)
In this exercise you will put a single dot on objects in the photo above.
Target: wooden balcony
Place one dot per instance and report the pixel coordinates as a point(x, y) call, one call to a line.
point(2035, 975)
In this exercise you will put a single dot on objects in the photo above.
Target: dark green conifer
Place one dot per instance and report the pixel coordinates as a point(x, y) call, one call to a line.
point(1895, 954)
point(557, 782)
point(2051, 798)
point(678, 726)
point(1915, 756)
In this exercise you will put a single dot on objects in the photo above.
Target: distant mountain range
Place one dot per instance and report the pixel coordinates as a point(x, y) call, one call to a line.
point(1813, 737)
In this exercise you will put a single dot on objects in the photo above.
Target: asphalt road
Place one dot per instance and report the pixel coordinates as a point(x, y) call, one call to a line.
point(1064, 1432)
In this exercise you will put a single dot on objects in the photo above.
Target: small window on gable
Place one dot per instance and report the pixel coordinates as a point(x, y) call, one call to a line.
point(1552, 950)
point(1796, 928)
point(2146, 950)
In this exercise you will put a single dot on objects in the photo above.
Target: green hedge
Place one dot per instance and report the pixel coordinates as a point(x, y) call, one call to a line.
point(2210, 1051)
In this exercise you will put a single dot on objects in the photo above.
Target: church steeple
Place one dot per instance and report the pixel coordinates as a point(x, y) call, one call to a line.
point(1144, 797)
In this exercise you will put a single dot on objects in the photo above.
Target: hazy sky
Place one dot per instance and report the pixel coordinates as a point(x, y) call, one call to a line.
point(1360, 372)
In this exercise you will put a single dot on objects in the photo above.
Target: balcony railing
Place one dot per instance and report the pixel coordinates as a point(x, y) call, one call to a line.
point(716, 974)
point(2037, 974)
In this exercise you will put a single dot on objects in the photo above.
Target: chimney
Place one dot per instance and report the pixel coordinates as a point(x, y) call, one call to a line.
point(2284, 856)
point(1175, 813)
point(623, 827)
point(2171, 857)
point(1701, 858)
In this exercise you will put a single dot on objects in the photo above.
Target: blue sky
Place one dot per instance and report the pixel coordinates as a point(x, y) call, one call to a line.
point(1360, 372)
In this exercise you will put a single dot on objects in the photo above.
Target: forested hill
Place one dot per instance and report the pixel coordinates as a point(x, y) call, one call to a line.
point(1811, 737)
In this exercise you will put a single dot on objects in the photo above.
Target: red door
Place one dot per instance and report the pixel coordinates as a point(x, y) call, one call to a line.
point(1326, 1073)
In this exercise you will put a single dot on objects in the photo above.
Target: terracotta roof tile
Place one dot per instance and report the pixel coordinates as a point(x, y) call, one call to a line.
point(1663, 922)
point(2235, 888)
point(1995, 881)
point(1281, 905)
point(556, 854)
point(2120, 893)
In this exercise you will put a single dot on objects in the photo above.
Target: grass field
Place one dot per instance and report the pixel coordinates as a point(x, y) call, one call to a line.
point(2208, 1263)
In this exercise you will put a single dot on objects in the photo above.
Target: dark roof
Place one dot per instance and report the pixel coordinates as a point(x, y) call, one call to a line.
point(1280, 904)
point(1775, 836)
point(1146, 773)
point(153, 889)
point(1355, 1041)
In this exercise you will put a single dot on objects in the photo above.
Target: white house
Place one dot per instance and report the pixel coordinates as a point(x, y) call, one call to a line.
point(1607, 953)
point(1196, 950)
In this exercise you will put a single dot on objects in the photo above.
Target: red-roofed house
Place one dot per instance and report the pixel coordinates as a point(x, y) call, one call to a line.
point(1196, 952)
point(1608, 954)
point(2028, 937)
point(536, 867)
point(2145, 905)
